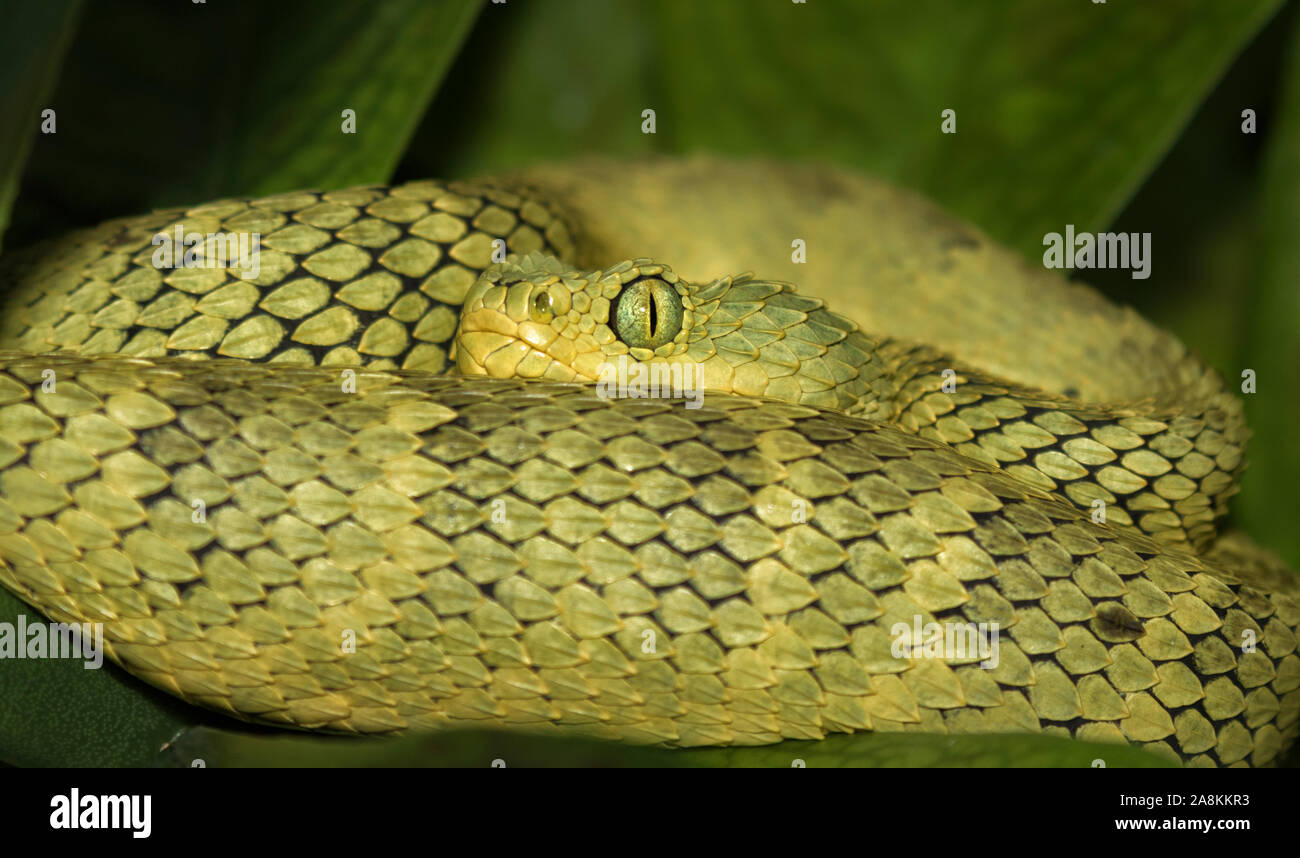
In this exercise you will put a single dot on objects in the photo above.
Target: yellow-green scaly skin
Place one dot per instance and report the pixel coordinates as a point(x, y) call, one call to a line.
point(528, 553)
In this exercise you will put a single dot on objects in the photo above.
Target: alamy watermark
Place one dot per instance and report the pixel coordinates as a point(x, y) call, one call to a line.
point(130, 812)
point(181, 249)
point(959, 641)
point(1102, 250)
point(53, 640)
point(633, 379)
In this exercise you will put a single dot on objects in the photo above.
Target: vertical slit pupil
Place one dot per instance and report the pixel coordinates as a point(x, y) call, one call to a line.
point(654, 316)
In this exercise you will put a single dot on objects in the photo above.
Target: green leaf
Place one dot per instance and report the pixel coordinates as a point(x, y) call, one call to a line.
point(461, 748)
point(1061, 108)
point(55, 712)
point(381, 60)
point(917, 750)
point(253, 107)
point(480, 748)
point(542, 81)
point(33, 41)
point(1270, 346)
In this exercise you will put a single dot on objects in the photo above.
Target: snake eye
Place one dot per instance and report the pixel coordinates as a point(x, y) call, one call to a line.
point(646, 314)
point(543, 306)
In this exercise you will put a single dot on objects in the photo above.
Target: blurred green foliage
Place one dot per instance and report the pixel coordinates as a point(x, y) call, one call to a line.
point(1067, 112)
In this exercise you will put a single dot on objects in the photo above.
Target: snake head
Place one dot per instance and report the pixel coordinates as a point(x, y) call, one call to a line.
point(536, 317)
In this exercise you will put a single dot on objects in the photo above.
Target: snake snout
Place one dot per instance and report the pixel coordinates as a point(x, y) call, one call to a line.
point(507, 329)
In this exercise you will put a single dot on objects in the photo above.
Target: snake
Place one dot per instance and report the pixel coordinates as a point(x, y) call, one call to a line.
point(387, 481)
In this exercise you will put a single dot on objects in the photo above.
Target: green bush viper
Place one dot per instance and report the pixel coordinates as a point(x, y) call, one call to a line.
point(284, 502)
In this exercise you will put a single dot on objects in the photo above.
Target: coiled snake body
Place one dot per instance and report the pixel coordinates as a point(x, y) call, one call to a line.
point(337, 531)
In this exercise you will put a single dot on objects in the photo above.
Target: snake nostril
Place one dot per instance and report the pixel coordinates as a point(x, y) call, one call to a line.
point(543, 306)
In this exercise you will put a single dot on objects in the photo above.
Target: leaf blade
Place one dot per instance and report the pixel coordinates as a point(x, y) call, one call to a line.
point(33, 41)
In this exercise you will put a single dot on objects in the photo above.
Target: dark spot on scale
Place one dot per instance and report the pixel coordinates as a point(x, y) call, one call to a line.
point(1115, 623)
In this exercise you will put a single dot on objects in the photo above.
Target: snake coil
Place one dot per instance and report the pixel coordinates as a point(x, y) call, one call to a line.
point(283, 502)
